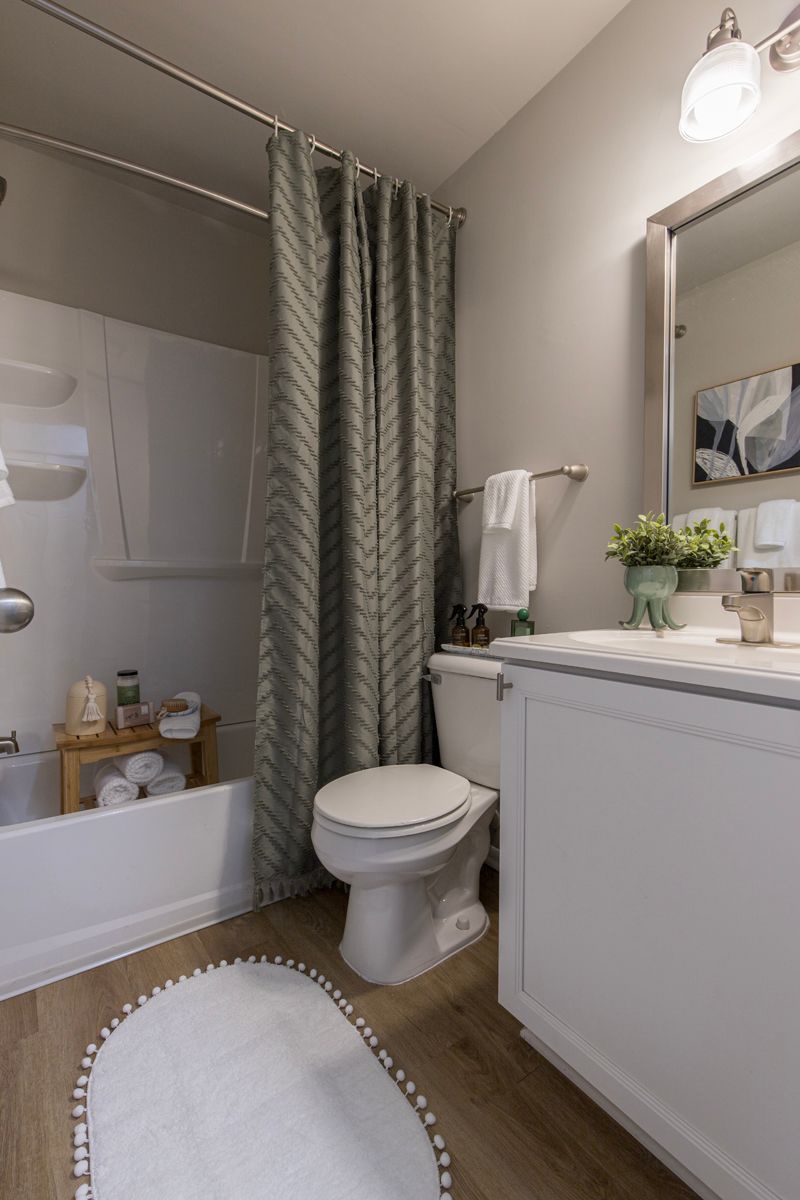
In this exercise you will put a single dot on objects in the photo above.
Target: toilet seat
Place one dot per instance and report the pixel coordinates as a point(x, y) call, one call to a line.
point(392, 801)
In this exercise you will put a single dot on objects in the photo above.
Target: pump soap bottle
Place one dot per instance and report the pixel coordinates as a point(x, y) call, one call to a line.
point(459, 634)
point(481, 634)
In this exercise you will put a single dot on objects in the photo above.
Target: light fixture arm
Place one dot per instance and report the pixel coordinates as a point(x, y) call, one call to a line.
point(727, 30)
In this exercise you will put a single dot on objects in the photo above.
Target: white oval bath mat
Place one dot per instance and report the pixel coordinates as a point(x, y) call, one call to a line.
point(254, 1081)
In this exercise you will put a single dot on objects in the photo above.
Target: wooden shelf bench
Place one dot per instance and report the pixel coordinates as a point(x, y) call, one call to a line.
point(76, 752)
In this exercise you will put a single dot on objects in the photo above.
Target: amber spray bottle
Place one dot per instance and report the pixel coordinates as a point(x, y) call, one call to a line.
point(481, 634)
point(459, 634)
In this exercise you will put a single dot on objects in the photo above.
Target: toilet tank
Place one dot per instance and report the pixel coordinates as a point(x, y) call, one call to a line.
point(467, 715)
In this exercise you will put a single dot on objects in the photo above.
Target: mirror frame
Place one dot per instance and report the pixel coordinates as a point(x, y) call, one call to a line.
point(662, 229)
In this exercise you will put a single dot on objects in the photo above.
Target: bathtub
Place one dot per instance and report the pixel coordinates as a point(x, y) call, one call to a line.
point(80, 890)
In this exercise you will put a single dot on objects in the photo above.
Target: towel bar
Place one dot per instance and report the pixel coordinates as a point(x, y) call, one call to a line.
point(578, 472)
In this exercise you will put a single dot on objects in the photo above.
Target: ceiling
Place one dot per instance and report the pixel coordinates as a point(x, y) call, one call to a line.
point(762, 222)
point(413, 87)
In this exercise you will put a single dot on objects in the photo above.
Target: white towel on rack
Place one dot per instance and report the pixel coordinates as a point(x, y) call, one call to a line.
point(111, 786)
point(185, 725)
point(171, 779)
point(750, 556)
point(6, 494)
point(508, 563)
point(774, 520)
point(716, 516)
point(679, 522)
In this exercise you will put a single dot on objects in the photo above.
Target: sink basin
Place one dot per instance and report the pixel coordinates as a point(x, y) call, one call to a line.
point(669, 644)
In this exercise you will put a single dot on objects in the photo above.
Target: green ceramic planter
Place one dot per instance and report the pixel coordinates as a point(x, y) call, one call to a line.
point(651, 588)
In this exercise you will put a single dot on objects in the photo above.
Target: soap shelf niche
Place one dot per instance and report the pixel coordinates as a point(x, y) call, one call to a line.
point(32, 386)
point(119, 569)
point(30, 480)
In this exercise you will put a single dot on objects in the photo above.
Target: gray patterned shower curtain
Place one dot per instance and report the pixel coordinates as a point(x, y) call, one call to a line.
point(361, 555)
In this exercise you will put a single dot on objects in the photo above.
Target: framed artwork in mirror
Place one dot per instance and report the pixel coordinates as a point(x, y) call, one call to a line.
point(748, 428)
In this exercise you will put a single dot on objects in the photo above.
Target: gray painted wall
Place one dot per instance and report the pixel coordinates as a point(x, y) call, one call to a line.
point(550, 290)
point(76, 236)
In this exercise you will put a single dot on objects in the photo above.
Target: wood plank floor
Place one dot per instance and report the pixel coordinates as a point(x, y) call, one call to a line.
point(515, 1127)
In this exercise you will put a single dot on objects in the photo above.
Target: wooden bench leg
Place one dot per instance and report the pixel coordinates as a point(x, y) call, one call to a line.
point(70, 781)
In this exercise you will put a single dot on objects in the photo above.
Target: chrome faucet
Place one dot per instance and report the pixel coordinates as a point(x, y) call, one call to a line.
point(755, 608)
point(9, 745)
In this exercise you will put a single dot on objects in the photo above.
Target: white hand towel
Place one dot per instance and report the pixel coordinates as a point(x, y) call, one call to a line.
point(748, 556)
point(111, 786)
point(508, 562)
point(142, 767)
point(171, 779)
point(679, 522)
point(182, 725)
point(6, 494)
point(774, 524)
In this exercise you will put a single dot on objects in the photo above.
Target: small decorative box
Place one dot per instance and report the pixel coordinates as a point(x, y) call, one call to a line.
point(131, 715)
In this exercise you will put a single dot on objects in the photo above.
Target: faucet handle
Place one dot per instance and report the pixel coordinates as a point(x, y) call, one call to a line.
point(756, 579)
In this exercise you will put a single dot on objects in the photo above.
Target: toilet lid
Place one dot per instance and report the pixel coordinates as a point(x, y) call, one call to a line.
point(385, 797)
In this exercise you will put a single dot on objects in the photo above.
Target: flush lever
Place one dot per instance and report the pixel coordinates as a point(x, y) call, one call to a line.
point(431, 677)
point(502, 686)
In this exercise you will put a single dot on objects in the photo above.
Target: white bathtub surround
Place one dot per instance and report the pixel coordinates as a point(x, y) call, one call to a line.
point(256, 1079)
point(111, 786)
point(141, 768)
point(170, 779)
point(132, 855)
point(184, 725)
point(508, 563)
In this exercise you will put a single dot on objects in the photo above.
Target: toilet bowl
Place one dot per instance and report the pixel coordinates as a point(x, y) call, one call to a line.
point(410, 840)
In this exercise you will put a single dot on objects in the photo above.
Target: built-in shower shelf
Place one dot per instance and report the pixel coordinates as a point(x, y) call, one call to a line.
point(30, 480)
point(128, 568)
point(34, 386)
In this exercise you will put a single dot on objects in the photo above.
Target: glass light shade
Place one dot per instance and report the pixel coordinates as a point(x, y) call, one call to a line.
point(721, 92)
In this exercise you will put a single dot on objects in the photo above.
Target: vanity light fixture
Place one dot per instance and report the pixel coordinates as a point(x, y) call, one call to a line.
point(723, 89)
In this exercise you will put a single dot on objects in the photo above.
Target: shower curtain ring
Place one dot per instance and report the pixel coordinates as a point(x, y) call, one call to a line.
point(450, 216)
point(396, 187)
point(375, 173)
point(276, 124)
point(358, 168)
point(313, 146)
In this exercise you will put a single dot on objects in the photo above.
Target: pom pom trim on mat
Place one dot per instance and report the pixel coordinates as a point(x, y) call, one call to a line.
point(80, 1137)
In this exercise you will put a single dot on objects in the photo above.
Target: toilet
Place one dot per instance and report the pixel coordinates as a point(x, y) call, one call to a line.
point(411, 840)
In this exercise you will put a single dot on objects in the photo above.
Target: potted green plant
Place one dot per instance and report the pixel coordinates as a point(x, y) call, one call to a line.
point(704, 546)
point(649, 551)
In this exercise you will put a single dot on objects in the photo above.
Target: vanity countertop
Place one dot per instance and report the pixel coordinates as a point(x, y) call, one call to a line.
point(690, 657)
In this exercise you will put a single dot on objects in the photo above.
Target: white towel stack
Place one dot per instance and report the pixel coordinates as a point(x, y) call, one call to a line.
point(780, 525)
point(182, 725)
point(508, 562)
point(140, 768)
point(171, 779)
point(111, 786)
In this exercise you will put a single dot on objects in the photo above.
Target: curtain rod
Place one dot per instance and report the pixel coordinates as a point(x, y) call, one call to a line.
point(44, 139)
point(208, 89)
point(578, 472)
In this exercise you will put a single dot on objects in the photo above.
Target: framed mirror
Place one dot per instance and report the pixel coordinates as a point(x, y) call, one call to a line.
point(722, 406)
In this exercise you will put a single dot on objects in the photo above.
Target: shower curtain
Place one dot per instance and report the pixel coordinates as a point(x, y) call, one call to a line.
point(361, 557)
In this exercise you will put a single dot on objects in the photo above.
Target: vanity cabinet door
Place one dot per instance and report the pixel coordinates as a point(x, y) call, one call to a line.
point(650, 895)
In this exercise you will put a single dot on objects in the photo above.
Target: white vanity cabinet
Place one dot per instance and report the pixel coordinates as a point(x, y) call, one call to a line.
point(650, 899)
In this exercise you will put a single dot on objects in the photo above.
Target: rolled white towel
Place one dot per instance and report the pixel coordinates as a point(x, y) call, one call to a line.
point(182, 726)
point(171, 779)
point(142, 767)
point(111, 786)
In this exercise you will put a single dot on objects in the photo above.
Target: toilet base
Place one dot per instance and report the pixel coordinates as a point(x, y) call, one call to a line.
point(449, 940)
